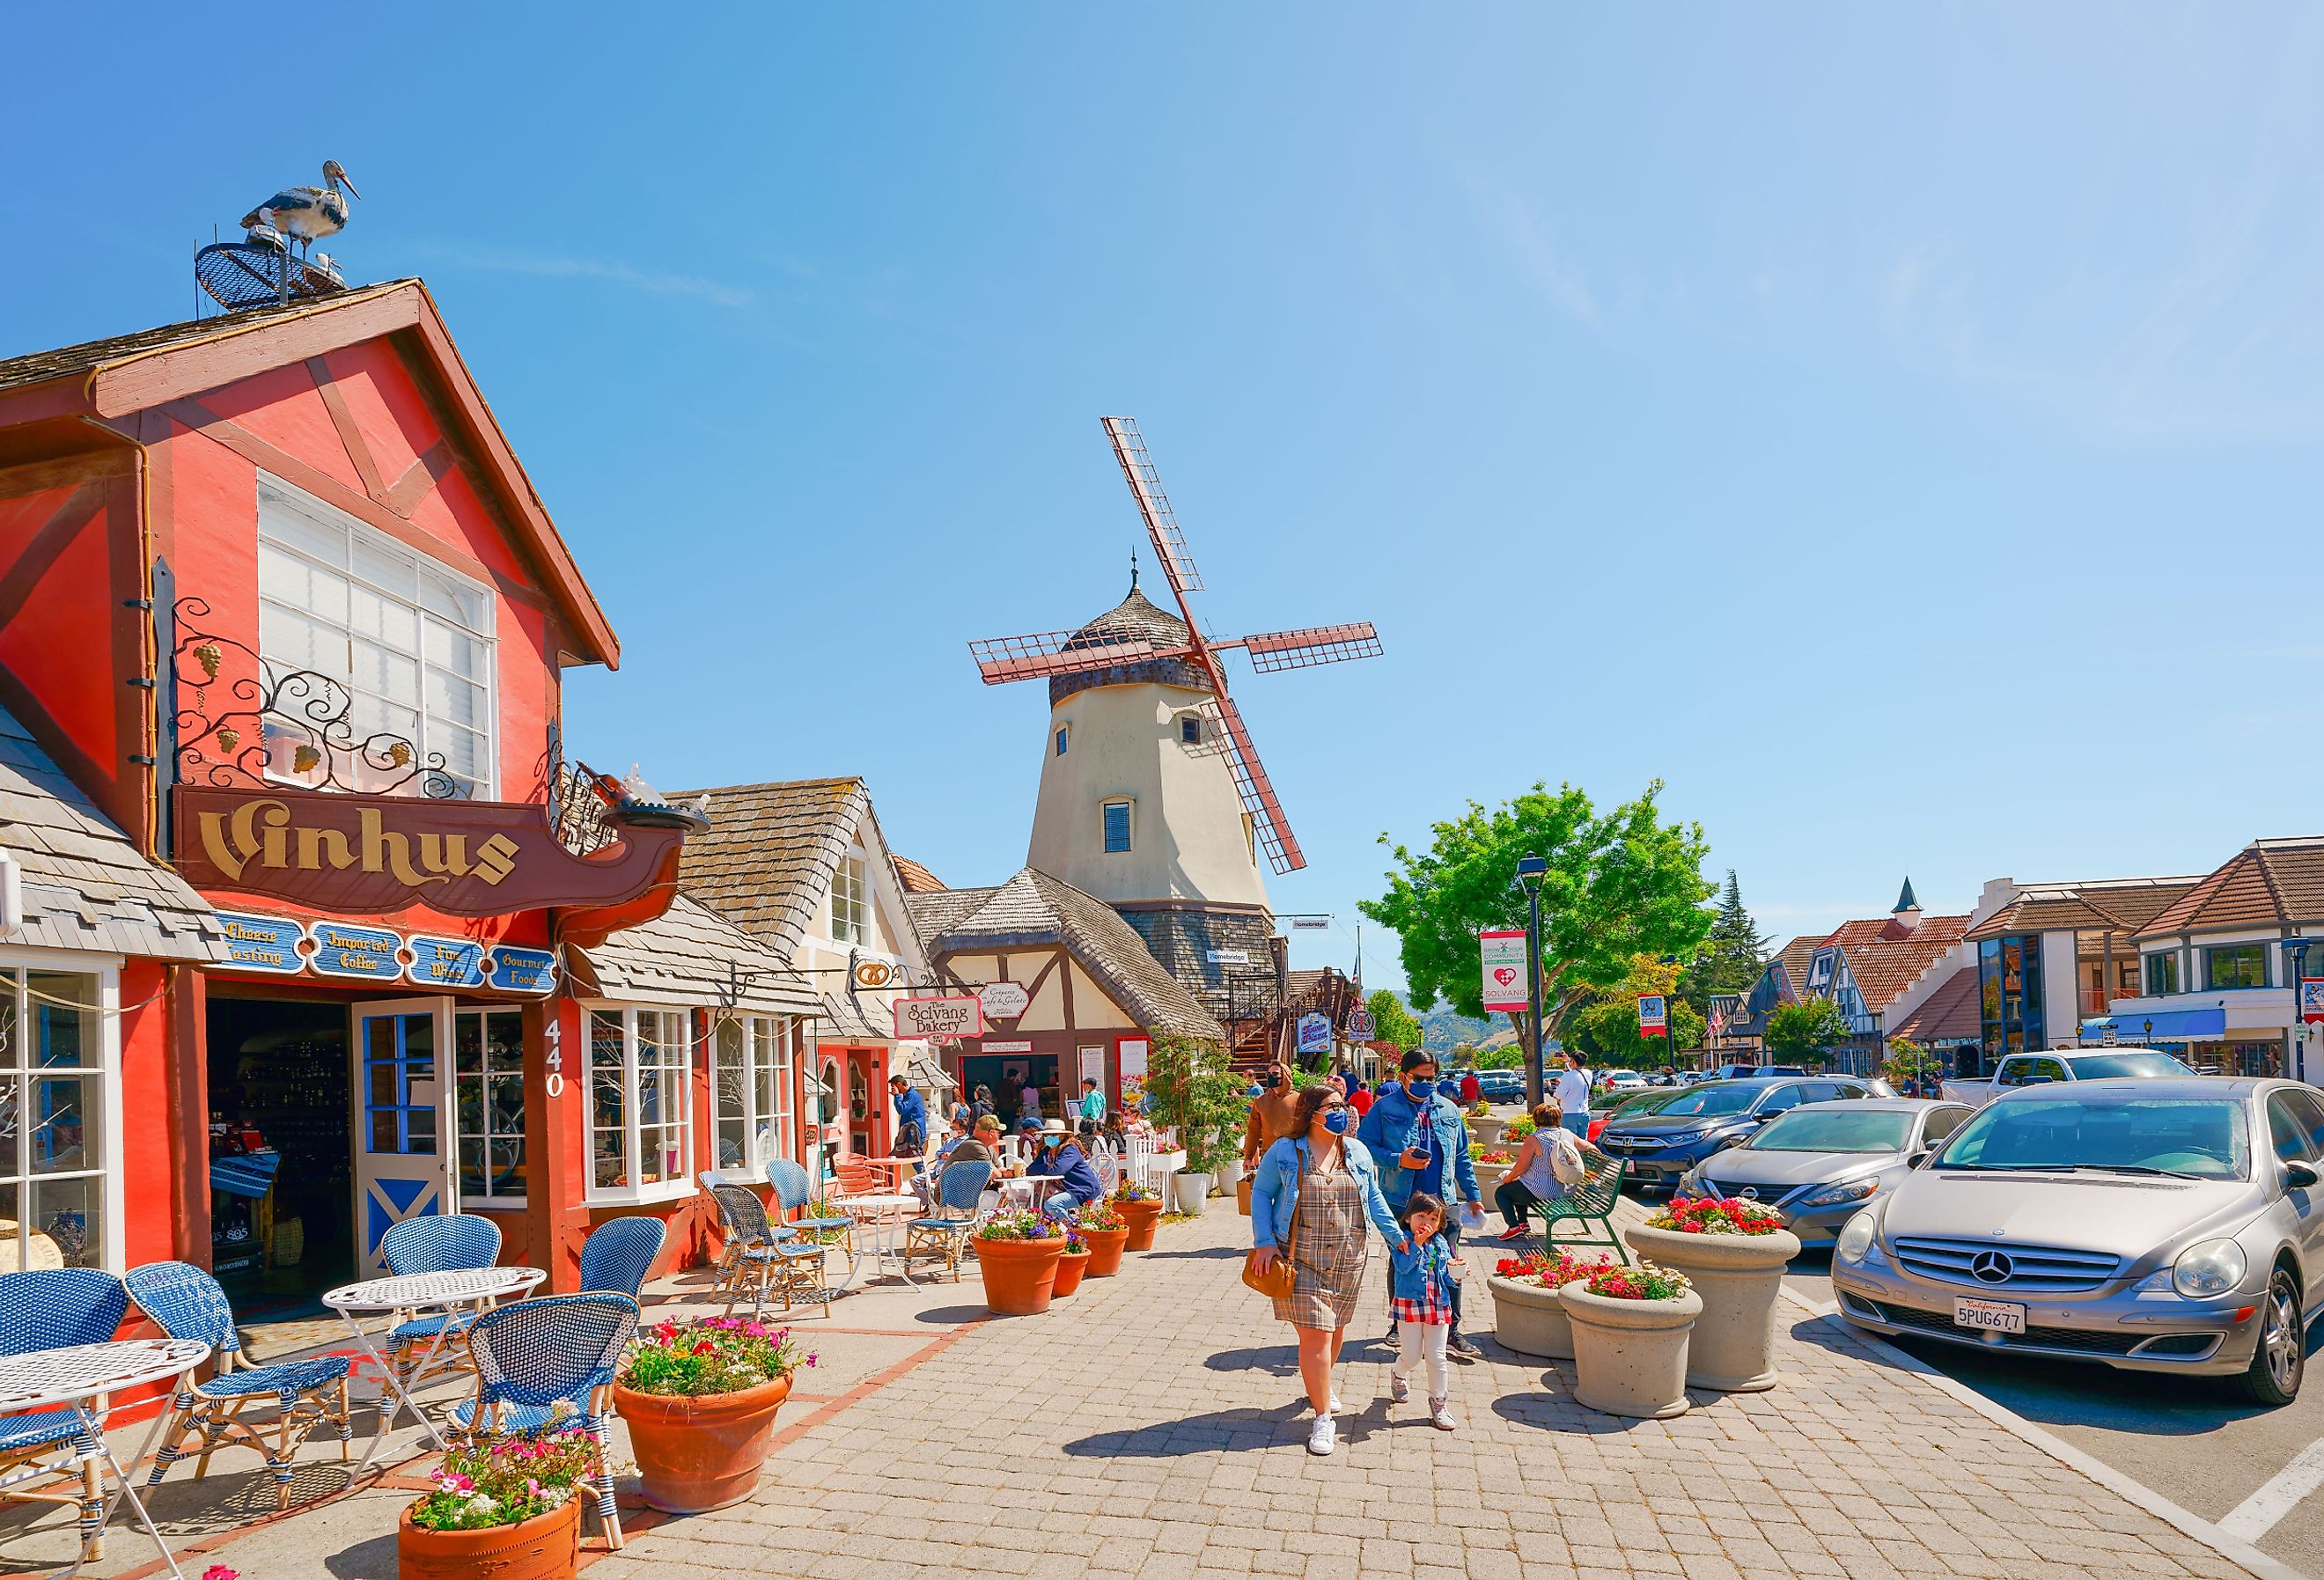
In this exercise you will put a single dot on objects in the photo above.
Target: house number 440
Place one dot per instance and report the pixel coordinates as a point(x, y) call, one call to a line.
point(555, 1060)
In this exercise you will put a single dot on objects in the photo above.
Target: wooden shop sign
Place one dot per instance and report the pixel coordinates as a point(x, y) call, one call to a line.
point(367, 856)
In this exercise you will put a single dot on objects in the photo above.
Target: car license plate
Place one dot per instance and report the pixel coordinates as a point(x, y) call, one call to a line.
point(1989, 1315)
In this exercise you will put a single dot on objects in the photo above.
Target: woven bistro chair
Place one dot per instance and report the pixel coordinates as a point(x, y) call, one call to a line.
point(53, 1308)
point(545, 1362)
point(945, 1233)
point(792, 1192)
point(305, 1395)
point(790, 1267)
point(441, 1242)
point(619, 1254)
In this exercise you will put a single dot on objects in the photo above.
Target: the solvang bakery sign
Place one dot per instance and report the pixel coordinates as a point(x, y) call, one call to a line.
point(368, 855)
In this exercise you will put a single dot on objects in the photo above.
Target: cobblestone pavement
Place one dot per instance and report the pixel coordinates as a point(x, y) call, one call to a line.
point(1152, 1427)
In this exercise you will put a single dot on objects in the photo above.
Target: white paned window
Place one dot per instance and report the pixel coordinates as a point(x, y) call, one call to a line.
point(751, 1092)
point(410, 640)
point(640, 1104)
point(55, 1103)
point(488, 1081)
point(849, 903)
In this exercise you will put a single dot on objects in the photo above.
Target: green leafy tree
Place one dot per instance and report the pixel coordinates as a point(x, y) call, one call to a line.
point(1196, 1092)
point(1509, 1056)
point(1391, 1021)
point(1733, 954)
point(1620, 884)
point(1909, 1061)
point(1796, 1033)
point(1606, 1027)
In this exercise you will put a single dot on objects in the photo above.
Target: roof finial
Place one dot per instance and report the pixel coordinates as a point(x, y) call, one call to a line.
point(1907, 902)
point(1133, 568)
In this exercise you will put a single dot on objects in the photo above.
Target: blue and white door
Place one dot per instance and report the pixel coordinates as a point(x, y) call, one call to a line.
point(403, 1123)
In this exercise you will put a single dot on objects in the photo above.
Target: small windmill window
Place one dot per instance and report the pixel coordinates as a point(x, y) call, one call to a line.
point(1061, 741)
point(1117, 827)
point(1190, 728)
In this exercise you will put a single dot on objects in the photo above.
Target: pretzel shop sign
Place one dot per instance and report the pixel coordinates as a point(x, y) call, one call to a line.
point(367, 856)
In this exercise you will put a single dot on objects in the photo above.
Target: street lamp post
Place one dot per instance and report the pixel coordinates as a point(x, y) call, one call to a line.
point(1531, 870)
point(2297, 949)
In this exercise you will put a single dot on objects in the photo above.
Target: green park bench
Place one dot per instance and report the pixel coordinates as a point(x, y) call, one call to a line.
point(1588, 1203)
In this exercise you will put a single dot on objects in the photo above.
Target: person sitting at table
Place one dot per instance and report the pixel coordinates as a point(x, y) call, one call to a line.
point(1064, 1162)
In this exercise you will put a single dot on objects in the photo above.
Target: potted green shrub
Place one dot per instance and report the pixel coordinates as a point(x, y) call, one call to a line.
point(700, 1399)
point(509, 1507)
point(1196, 1092)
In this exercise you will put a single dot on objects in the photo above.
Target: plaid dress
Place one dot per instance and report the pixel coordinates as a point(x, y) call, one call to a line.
point(1330, 1248)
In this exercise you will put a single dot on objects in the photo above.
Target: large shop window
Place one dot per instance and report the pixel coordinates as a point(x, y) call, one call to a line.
point(850, 908)
point(751, 1092)
point(2235, 966)
point(53, 1108)
point(2162, 975)
point(640, 1104)
point(410, 640)
point(488, 1076)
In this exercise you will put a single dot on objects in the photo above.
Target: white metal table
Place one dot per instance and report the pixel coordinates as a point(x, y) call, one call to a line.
point(1028, 1190)
point(878, 1220)
point(43, 1379)
point(446, 1294)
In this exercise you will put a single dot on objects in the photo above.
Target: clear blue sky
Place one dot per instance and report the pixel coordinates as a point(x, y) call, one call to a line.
point(1896, 428)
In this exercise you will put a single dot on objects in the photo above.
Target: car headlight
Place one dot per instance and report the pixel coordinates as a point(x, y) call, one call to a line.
point(1855, 1238)
point(1679, 1138)
point(2212, 1267)
point(1834, 1196)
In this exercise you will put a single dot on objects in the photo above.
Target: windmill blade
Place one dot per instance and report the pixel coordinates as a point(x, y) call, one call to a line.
point(1317, 644)
point(1267, 822)
point(1003, 659)
point(1146, 487)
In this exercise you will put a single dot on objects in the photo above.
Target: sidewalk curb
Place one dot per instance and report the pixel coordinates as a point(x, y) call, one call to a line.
point(2138, 1493)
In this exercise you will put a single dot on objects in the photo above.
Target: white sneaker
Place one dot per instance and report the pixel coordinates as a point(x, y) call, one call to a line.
point(1441, 1418)
point(1399, 1388)
point(1322, 1436)
point(1337, 1408)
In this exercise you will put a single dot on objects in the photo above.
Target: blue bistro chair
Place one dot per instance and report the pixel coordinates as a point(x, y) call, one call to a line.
point(188, 1304)
point(793, 1192)
point(945, 1233)
point(769, 1263)
point(545, 1362)
point(440, 1243)
point(617, 1254)
point(722, 1275)
point(52, 1308)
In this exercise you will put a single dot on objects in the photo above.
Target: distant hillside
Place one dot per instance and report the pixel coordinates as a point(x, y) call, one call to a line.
point(1441, 1027)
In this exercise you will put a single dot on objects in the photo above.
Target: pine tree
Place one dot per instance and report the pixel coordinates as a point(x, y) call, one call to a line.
point(1732, 956)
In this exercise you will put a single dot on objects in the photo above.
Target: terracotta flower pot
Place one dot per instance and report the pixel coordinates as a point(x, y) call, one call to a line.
point(543, 1549)
point(1529, 1319)
point(1104, 1251)
point(695, 1454)
point(1019, 1275)
point(1739, 1278)
point(1072, 1267)
point(1630, 1356)
point(1141, 1217)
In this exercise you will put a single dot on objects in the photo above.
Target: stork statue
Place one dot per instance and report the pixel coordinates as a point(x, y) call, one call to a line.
point(305, 214)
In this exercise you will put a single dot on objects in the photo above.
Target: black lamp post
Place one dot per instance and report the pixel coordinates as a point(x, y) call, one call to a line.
point(1531, 870)
point(2296, 951)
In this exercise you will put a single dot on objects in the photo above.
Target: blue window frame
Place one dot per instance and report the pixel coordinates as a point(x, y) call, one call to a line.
point(1117, 827)
point(1061, 742)
point(400, 1056)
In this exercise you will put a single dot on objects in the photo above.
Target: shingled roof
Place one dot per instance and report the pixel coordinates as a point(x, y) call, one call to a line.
point(39, 367)
point(691, 954)
point(1886, 960)
point(1033, 908)
point(2270, 882)
point(85, 885)
point(771, 851)
point(1949, 1014)
point(2122, 906)
point(915, 878)
point(1795, 957)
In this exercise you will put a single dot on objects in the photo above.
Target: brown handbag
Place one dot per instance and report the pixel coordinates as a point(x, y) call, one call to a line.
point(1277, 1281)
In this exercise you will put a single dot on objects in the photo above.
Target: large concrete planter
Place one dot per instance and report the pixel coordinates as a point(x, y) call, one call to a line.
point(1486, 1132)
point(1739, 1278)
point(1189, 1191)
point(1630, 1356)
point(1530, 1319)
point(1488, 1176)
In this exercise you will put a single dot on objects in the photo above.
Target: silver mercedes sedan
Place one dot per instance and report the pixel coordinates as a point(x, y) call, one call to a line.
point(1816, 1164)
point(2172, 1224)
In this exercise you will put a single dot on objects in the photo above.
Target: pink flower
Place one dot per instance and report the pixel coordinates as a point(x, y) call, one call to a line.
point(220, 1572)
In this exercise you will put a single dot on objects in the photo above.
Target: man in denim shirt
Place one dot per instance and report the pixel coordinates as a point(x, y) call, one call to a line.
point(1414, 1134)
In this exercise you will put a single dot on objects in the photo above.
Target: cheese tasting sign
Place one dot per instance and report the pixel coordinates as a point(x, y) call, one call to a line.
point(367, 855)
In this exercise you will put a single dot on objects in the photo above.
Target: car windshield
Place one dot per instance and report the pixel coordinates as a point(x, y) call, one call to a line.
point(1709, 1101)
point(2197, 1138)
point(2099, 1067)
point(1836, 1130)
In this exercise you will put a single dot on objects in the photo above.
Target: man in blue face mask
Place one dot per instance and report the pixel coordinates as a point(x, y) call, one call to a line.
point(1414, 1134)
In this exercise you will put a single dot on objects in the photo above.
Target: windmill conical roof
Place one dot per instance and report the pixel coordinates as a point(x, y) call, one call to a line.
point(1138, 617)
point(1135, 615)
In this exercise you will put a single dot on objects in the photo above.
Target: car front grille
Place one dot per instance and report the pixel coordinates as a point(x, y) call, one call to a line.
point(1767, 1194)
point(2081, 1340)
point(1986, 1264)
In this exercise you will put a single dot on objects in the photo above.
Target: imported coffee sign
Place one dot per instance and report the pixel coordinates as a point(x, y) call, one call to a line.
point(365, 855)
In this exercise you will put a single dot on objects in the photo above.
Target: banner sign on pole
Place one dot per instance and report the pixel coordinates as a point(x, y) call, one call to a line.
point(2311, 998)
point(1504, 971)
point(1315, 1032)
point(1359, 1024)
point(1654, 1014)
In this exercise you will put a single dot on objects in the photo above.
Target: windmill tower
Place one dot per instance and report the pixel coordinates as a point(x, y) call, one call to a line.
point(1152, 795)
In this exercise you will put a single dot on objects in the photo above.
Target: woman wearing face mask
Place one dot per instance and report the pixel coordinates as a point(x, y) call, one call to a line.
point(1270, 1117)
point(1311, 1201)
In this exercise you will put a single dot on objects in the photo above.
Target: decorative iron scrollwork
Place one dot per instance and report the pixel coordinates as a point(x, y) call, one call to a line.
point(273, 724)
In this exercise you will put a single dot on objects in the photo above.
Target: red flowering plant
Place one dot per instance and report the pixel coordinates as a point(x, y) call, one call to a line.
point(1708, 1214)
point(1101, 1216)
point(505, 1481)
point(1479, 1155)
point(709, 1355)
point(1644, 1282)
point(1551, 1272)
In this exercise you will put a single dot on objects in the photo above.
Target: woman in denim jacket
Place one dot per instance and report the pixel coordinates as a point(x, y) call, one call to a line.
point(1334, 1188)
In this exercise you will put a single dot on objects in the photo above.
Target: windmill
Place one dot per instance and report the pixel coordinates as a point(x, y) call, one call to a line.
point(1139, 644)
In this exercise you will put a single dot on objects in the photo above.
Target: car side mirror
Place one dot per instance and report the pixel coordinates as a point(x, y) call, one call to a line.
point(1916, 1159)
point(2302, 1176)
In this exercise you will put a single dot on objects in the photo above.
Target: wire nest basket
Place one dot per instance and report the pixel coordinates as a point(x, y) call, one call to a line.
point(240, 274)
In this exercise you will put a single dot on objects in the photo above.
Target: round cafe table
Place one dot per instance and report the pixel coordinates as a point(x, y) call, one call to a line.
point(879, 1219)
point(412, 1295)
point(43, 1379)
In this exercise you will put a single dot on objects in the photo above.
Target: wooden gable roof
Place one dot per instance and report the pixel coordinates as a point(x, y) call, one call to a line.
point(2270, 882)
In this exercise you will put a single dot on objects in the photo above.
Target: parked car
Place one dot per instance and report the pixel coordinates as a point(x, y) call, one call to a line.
point(1636, 1102)
point(1818, 1164)
point(1664, 1144)
point(2059, 1064)
point(1744, 1072)
point(2152, 1225)
point(1501, 1086)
